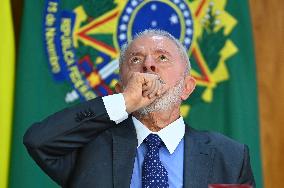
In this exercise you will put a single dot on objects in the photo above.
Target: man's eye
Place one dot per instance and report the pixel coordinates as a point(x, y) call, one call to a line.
point(163, 58)
point(135, 60)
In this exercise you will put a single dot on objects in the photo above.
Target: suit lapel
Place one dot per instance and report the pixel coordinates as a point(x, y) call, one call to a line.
point(198, 156)
point(198, 159)
point(124, 151)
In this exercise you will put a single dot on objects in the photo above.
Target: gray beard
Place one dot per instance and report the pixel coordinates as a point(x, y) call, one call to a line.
point(165, 102)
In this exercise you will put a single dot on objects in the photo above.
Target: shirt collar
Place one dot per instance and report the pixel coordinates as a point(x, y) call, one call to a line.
point(171, 135)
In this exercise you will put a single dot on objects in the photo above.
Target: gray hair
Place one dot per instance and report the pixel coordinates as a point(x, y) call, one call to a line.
point(157, 32)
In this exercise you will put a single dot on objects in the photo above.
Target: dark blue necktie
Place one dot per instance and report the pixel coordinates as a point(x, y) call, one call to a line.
point(154, 174)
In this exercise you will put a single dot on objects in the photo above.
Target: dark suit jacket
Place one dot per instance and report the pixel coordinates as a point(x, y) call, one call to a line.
point(81, 147)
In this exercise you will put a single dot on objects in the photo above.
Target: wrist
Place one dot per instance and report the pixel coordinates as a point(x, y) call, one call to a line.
point(128, 103)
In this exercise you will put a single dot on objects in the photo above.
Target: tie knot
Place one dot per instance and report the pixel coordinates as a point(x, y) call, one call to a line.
point(153, 141)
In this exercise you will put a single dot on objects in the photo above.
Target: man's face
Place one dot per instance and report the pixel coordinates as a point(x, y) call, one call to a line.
point(154, 54)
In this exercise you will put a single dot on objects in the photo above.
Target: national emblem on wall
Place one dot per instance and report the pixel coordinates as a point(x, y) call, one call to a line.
point(83, 42)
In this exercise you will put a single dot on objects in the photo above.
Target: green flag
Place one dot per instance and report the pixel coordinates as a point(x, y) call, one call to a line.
point(69, 53)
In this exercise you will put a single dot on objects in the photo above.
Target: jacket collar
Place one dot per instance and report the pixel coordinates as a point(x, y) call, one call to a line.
point(124, 151)
point(198, 156)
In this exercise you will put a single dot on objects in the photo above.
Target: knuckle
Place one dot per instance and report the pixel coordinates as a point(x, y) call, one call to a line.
point(136, 74)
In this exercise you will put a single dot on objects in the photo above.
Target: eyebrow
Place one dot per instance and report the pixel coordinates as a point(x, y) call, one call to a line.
point(138, 53)
point(161, 50)
point(156, 51)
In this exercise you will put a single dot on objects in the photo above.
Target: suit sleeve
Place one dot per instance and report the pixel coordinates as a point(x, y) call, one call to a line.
point(54, 143)
point(246, 175)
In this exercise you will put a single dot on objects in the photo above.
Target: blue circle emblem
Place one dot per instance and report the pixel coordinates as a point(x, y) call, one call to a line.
point(173, 16)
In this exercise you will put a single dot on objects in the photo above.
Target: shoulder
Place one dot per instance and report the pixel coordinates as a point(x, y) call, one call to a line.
point(226, 155)
point(223, 142)
point(223, 145)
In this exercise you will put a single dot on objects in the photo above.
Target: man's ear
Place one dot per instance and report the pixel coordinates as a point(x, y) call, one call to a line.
point(189, 86)
point(118, 87)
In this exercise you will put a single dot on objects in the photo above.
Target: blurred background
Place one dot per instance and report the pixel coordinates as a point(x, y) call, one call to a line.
point(56, 53)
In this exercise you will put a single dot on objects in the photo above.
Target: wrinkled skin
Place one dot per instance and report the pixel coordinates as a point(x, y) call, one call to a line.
point(152, 67)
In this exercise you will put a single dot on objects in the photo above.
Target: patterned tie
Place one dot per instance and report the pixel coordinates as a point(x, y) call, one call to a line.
point(154, 174)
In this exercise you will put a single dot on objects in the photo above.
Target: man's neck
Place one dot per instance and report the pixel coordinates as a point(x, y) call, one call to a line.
point(155, 121)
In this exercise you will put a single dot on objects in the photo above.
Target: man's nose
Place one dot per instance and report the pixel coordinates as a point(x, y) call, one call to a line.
point(149, 65)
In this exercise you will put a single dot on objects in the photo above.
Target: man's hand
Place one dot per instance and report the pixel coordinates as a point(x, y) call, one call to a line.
point(141, 90)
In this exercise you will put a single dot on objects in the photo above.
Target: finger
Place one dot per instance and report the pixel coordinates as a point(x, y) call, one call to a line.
point(159, 91)
point(152, 88)
point(148, 78)
point(147, 81)
point(148, 88)
point(156, 89)
point(152, 84)
point(145, 88)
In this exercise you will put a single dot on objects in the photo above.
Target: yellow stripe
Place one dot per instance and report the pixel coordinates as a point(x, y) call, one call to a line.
point(7, 68)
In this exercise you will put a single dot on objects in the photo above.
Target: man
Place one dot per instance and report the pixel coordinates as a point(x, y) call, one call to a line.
point(136, 138)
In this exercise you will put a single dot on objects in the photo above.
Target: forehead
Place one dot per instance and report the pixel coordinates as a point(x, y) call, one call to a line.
point(153, 43)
